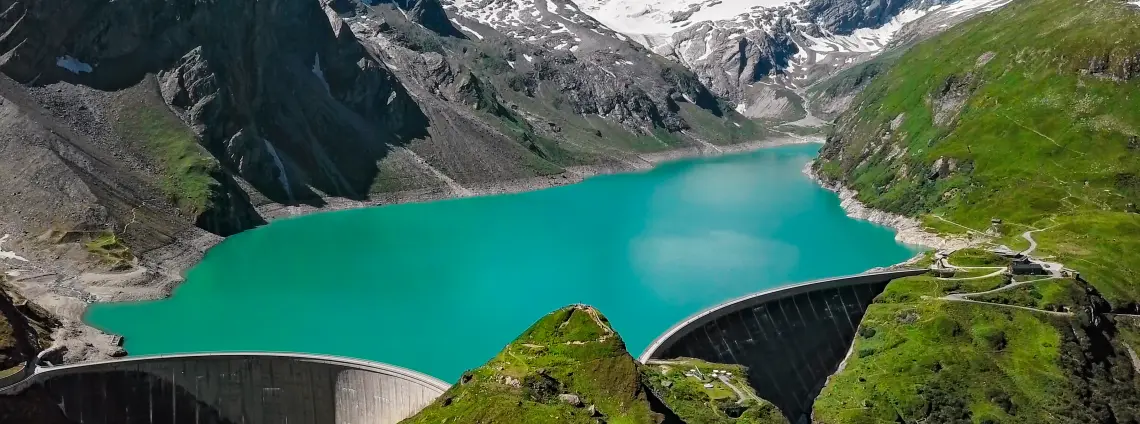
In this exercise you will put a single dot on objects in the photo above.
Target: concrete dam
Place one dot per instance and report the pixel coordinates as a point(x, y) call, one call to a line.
point(791, 338)
point(235, 388)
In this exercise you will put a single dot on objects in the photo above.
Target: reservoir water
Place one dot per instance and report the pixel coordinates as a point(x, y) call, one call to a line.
point(441, 287)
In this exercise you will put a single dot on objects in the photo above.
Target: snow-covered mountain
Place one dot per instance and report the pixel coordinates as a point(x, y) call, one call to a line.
point(553, 24)
point(758, 54)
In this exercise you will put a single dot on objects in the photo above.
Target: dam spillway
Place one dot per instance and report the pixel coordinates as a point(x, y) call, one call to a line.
point(791, 338)
point(235, 388)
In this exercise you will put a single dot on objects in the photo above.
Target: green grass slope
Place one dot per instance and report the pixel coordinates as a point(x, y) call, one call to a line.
point(923, 359)
point(1030, 113)
point(569, 367)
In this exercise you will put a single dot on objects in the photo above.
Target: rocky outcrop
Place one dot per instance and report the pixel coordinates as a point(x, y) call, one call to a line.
point(907, 230)
point(845, 16)
point(728, 60)
point(559, 51)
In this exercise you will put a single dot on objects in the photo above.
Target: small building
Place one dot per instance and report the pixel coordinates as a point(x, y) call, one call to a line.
point(1025, 267)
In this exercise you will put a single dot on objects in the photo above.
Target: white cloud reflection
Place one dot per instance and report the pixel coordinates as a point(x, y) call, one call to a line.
point(674, 264)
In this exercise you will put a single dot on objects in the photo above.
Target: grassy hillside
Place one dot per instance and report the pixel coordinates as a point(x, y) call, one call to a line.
point(923, 358)
point(1030, 114)
point(569, 367)
point(699, 397)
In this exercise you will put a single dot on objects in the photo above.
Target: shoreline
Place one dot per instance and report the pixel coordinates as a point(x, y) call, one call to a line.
point(160, 272)
point(907, 230)
point(572, 175)
point(167, 270)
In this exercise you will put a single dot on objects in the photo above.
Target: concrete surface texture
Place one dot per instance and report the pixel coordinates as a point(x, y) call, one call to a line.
point(791, 338)
point(237, 388)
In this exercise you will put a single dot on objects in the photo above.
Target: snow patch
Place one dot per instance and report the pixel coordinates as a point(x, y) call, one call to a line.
point(976, 6)
point(528, 58)
point(512, 63)
point(319, 72)
point(282, 177)
point(740, 108)
point(8, 255)
point(466, 29)
point(656, 16)
point(864, 40)
point(708, 46)
point(72, 64)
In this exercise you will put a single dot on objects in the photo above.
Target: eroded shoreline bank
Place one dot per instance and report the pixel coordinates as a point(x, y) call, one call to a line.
point(907, 230)
point(572, 175)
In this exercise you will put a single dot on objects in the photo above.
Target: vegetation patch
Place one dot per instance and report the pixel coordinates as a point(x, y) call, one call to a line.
point(187, 169)
point(1059, 295)
point(732, 128)
point(569, 367)
point(977, 257)
point(932, 360)
point(1041, 133)
point(911, 289)
point(110, 250)
point(693, 389)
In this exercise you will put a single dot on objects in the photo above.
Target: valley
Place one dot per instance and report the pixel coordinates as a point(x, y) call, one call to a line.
point(156, 158)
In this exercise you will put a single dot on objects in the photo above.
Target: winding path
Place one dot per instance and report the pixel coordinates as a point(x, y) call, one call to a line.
point(1054, 269)
point(997, 290)
point(978, 302)
point(741, 395)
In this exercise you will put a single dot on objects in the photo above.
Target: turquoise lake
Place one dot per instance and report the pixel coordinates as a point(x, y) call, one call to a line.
point(441, 287)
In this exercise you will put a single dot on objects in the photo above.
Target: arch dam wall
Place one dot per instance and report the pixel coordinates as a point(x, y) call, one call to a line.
point(235, 388)
point(791, 338)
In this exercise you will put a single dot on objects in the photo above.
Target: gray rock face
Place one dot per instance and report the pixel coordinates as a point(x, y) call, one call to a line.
point(790, 46)
point(845, 16)
point(247, 77)
point(554, 45)
point(728, 60)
